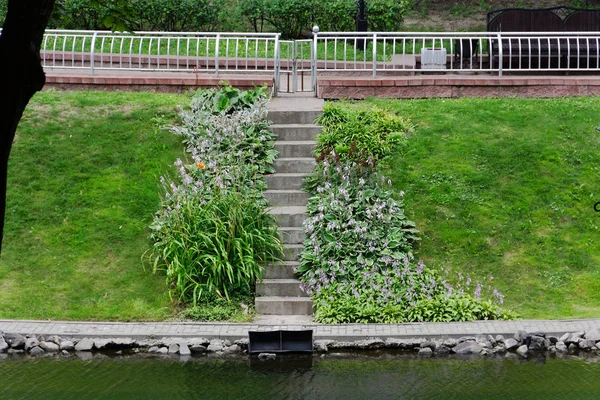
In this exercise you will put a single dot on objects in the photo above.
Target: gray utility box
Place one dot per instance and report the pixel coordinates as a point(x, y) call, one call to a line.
point(433, 58)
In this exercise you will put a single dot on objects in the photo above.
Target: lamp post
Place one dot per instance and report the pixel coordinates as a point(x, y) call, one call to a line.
point(361, 23)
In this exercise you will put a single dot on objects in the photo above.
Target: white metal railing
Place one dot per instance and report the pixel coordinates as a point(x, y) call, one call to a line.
point(389, 52)
point(160, 51)
point(301, 61)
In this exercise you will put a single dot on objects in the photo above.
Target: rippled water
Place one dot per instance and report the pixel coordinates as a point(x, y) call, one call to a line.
point(343, 377)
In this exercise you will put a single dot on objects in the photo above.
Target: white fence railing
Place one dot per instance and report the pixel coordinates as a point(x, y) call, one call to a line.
point(389, 52)
point(373, 53)
point(160, 51)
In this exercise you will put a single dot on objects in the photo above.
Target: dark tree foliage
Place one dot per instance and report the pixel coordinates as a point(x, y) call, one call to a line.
point(21, 74)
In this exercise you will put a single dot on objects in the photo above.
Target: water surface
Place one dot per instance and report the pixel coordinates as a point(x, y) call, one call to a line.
point(333, 377)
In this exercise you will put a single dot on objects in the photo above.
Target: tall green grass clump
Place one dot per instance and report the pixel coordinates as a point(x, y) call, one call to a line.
point(358, 261)
point(212, 232)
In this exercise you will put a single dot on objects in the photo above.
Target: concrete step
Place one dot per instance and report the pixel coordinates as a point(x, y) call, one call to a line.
point(291, 216)
point(291, 252)
point(286, 165)
point(283, 270)
point(279, 305)
point(280, 117)
point(295, 148)
point(278, 198)
point(285, 180)
point(296, 131)
point(280, 287)
point(292, 235)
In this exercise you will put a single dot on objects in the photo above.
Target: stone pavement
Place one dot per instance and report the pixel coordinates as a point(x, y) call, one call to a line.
point(348, 332)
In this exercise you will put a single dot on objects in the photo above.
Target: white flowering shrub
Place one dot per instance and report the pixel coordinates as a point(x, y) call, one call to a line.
point(212, 231)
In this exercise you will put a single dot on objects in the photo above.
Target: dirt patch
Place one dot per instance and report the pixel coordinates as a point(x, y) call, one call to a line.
point(471, 15)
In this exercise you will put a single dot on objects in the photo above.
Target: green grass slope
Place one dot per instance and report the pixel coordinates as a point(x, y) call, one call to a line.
point(82, 190)
point(507, 187)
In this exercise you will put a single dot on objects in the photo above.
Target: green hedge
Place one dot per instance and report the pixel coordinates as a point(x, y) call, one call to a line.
point(292, 18)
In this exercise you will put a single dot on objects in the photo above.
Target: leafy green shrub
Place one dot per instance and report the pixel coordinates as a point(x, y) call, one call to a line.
point(212, 231)
point(211, 307)
point(153, 15)
point(357, 263)
point(386, 15)
point(3, 10)
point(352, 129)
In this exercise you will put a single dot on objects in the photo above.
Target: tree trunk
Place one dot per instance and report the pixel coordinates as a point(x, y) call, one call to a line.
point(21, 74)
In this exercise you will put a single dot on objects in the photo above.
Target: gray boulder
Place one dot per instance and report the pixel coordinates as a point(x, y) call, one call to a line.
point(36, 350)
point(561, 347)
point(521, 336)
point(370, 343)
point(428, 344)
point(467, 339)
point(197, 349)
point(593, 335)
point(522, 351)
point(511, 344)
point(234, 348)
point(184, 350)
point(163, 350)
point(216, 345)
point(67, 345)
point(203, 342)
point(267, 356)
point(564, 337)
point(574, 338)
point(15, 340)
point(153, 349)
point(425, 352)
point(320, 346)
point(394, 343)
point(450, 342)
point(536, 343)
point(467, 348)
point(585, 344)
point(499, 338)
point(84, 345)
point(3, 345)
point(492, 340)
point(50, 347)
point(174, 348)
point(30, 343)
point(443, 349)
point(243, 343)
point(500, 350)
point(102, 344)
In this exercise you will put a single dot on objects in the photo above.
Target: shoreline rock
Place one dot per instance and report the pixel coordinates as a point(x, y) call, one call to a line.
point(520, 345)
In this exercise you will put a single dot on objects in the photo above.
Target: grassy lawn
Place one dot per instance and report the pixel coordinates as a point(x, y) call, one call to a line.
point(507, 187)
point(83, 188)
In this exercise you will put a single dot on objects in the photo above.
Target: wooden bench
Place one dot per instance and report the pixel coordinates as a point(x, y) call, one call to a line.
point(533, 52)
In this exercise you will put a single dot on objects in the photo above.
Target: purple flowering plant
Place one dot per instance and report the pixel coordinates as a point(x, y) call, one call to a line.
point(358, 263)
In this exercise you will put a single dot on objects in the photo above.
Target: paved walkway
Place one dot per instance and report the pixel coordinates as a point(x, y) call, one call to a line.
point(349, 332)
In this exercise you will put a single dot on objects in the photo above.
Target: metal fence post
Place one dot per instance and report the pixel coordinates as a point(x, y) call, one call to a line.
point(375, 55)
point(217, 55)
point(499, 55)
point(313, 59)
point(93, 53)
point(276, 68)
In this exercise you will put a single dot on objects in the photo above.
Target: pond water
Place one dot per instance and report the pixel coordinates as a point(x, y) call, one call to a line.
point(332, 377)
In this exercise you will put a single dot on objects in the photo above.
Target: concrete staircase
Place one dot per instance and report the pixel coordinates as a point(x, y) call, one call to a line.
point(293, 119)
